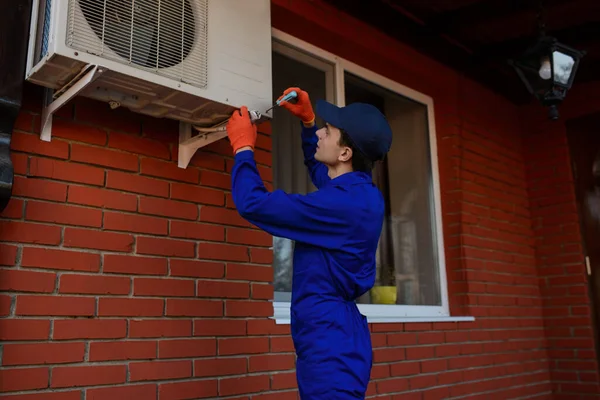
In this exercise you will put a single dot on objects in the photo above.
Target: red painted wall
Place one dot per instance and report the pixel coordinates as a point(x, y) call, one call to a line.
point(126, 276)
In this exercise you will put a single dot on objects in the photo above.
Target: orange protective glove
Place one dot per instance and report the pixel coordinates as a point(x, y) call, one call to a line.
point(241, 131)
point(302, 109)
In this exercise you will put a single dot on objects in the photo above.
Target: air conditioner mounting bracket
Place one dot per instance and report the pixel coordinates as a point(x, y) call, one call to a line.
point(188, 145)
point(53, 102)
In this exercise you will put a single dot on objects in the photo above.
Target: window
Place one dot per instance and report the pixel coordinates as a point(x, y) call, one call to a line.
point(411, 281)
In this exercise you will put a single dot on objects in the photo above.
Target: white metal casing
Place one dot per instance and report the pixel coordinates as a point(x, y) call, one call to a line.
point(232, 40)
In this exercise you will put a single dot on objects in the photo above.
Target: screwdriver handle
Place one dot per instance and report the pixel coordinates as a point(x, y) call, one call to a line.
point(291, 95)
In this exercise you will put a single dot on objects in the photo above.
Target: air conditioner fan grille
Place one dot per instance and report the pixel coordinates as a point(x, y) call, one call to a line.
point(166, 37)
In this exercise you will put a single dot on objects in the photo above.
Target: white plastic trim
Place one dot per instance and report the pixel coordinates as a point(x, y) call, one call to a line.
point(376, 313)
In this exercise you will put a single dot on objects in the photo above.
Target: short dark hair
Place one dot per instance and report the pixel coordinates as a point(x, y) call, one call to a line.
point(360, 163)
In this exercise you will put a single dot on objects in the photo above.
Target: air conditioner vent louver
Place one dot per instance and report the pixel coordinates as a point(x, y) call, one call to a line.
point(166, 37)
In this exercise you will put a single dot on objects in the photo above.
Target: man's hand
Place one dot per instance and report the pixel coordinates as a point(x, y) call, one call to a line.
point(302, 109)
point(241, 131)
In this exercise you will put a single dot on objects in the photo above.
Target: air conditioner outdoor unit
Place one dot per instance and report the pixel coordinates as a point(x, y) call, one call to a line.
point(194, 61)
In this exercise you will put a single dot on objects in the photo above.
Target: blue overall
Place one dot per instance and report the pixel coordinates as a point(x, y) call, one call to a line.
point(336, 230)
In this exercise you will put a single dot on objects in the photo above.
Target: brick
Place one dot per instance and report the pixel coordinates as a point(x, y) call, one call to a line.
point(168, 208)
point(66, 171)
point(282, 344)
point(21, 379)
point(229, 203)
point(250, 237)
point(139, 145)
point(249, 272)
point(14, 209)
point(165, 247)
point(26, 232)
point(63, 214)
point(219, 327)
point(188, 390)
point(135, 223)
point(160, 328)
point(122, 350)
point(135, 265)
point(146, 392)
point(197, 230)
point(108, 307)
point(20, 163)
point(188, 348)
point(42, 353)
point(215, 289)
point(263, 157)
point(163, 287)
point(218, 251)
point(55, 306)
point(36, 257)
point(243, 385)
point(261, 256)
point(5, 305)
point(196, 269)
point(70, 329)
point(262, 292)
point(104, 198)
point(32, 144)
point(26, 281)
point(267, 327)
point(169, 170)
point(159, 370)
point(235, 308)
point(78, 132)
point(70, 395)
point(39, 189)
point(104, 157)
point(204, 159)
point(264, 142)
point(88, 375)
point(136, 184)
point(90, 284)
point(219, 367)
point(8, 255)
point(287, 380)
point(24, 329)
point(222, 216)
point(197, 194)
point(234, 346)
point(90, 239)
point(99, 113)
point(24, 122)
point(215, 179)
point(266, 173)
point(271, 362)
point(194, 308)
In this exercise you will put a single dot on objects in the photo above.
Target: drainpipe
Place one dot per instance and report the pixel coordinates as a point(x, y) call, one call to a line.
point(14, 37)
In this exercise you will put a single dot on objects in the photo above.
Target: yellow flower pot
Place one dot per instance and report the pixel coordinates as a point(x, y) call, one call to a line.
point(383, 295)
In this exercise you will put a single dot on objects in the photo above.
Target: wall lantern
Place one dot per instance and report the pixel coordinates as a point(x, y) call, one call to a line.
point(548, 69)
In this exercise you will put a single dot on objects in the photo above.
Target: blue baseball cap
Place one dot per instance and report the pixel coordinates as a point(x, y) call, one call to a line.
point(366, 126)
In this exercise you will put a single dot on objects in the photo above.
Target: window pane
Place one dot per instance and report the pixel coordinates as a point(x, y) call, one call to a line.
point(292, 68)
point(407, 259)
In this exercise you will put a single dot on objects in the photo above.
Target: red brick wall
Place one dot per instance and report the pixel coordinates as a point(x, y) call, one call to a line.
point(125, 275)
point(559, 256)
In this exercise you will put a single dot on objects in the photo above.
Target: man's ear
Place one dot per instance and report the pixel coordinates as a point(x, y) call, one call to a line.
point(346, 154)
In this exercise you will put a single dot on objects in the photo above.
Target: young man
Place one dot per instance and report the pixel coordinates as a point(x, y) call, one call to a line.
point(336, 231)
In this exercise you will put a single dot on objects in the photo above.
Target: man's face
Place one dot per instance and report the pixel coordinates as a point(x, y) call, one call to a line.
point(329, 151)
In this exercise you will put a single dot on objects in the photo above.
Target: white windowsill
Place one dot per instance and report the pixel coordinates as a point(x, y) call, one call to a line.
point(383, 314)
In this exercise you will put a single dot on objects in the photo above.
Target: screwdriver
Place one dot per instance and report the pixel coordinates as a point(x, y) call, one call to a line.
point(291, 95)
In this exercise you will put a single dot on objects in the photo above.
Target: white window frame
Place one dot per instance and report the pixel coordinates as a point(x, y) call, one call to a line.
point(379, 313)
